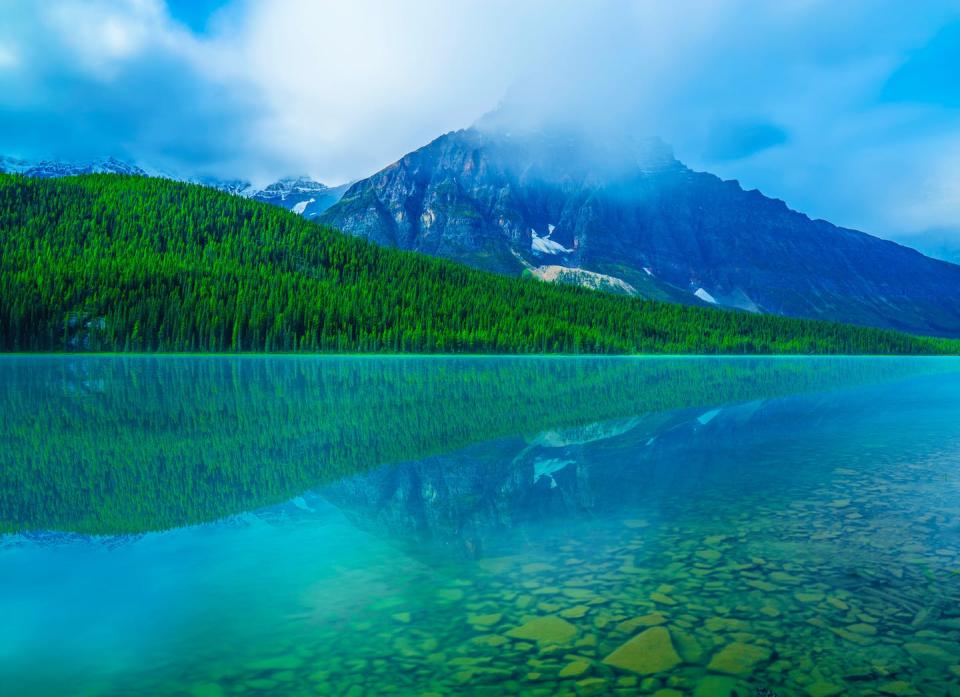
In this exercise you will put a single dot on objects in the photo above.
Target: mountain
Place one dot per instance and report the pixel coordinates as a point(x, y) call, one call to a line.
point(562, 206)
point(46, 169)
point(120, 263)
point(301, 195)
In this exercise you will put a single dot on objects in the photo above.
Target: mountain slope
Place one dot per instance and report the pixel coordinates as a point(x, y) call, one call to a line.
point(633, 212)
point(106, 262)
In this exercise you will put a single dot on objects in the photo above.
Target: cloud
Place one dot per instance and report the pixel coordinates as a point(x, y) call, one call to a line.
point(114, 78)
point(845, 110)
point(734, 140)
point(352, 86)
point(9, 56)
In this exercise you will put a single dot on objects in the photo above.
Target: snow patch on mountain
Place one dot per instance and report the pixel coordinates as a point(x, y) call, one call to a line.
point(299, 208)
point(705, 296)
point(545, 245)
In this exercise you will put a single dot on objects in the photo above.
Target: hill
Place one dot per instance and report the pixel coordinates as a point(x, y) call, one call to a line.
point(118, 263)
point(629, 211)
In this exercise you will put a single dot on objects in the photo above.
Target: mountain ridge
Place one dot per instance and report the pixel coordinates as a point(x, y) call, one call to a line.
point(300, 194)
point(508, 202)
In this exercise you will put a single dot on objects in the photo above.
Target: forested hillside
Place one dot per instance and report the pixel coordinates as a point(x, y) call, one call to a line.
point(116, 263)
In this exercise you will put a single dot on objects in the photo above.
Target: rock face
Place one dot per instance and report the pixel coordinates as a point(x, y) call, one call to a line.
point(633, 213)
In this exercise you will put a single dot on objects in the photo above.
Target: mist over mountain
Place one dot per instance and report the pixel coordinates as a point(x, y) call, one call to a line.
point(621, 211)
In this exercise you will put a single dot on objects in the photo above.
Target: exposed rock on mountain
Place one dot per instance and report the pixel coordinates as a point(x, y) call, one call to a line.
point(628, 215)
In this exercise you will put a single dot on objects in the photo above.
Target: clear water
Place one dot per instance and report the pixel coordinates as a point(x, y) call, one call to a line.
point(439, 526)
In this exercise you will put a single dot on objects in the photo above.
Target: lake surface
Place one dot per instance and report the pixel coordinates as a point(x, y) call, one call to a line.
point(480, 526)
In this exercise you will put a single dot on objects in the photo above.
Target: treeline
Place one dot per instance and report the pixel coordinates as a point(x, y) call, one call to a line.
point(112, 263)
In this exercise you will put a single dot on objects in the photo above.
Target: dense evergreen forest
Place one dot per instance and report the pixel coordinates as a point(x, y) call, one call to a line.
point(115, 263)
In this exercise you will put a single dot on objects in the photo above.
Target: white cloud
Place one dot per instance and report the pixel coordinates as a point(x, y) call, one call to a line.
point(338, 90)
point(9, 56)
point(348, 87)
point(933, 198)
point(101, 35)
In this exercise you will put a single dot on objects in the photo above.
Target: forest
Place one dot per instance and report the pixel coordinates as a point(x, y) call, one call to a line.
point(135, 264)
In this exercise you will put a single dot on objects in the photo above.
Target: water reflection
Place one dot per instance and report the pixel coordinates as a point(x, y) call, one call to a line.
point(129, 444)
point(466, 502)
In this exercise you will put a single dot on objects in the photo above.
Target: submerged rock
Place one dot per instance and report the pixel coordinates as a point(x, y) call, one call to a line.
point(574, 669)
point(821, 688)
point(575, 612)
point(738, 658)
point(715, 686)
point(647, 653)
point(650, 620)
point(930, 654)
point(544, 630)
point(591, 686)
point(484, 620)
point(811, 597)
point(662, 598)
point(687, 646)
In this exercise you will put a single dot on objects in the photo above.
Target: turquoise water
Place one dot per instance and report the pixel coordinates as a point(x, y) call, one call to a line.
point(443, 526)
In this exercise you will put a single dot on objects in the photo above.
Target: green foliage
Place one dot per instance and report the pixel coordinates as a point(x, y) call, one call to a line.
point(110, 263)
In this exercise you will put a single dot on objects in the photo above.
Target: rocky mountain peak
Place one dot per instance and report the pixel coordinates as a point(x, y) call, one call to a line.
point(625, 210)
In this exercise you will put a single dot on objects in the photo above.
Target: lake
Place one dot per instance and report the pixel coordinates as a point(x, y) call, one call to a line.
point(363, 526)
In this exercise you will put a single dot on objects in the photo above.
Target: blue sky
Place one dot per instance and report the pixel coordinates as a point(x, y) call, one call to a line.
point(195, 14)
point(846, 110)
